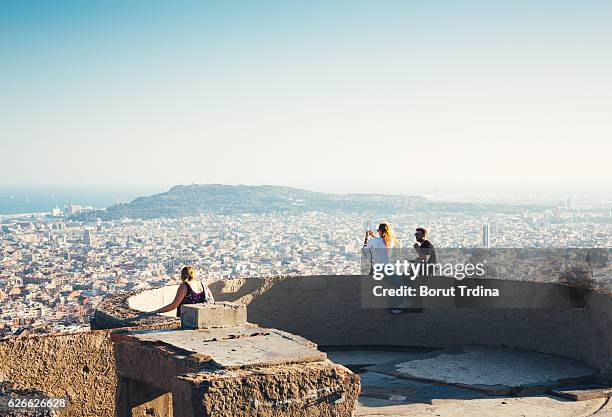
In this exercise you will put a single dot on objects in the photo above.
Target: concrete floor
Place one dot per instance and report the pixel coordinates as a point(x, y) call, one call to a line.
point(385, 394)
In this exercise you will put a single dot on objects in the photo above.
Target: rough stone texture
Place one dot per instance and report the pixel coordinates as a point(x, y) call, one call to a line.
point(288, 385)
point(222, 314)
point(10, 390)
point(315, 389)
point(80, 366)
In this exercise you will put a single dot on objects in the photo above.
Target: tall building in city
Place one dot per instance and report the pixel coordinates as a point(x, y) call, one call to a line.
point(56, 211)
point(88, 239)
point(486, 235)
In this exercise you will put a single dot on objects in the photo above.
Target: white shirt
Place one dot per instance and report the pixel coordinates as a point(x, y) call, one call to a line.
point(377, 251)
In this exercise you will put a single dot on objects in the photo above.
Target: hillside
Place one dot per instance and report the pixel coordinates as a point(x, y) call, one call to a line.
point(189, 200)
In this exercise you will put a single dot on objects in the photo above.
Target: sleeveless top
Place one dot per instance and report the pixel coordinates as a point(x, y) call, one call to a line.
point(193, 297)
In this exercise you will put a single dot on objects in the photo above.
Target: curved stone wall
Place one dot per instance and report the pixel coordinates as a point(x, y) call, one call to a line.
point(327, 310)
point(153, 299)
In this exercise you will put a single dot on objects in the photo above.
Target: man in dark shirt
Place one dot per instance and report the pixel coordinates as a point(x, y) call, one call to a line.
point(424, 248)
point(427, 256)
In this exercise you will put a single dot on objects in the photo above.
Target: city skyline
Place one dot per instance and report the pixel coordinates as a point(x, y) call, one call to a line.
point(388, 97)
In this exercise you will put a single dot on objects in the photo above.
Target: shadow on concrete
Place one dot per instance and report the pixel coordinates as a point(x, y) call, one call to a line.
point(401, 375)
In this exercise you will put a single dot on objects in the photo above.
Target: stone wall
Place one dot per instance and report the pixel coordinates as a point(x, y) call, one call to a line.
point(80, 366)
point(327, 310)
point(324, 309)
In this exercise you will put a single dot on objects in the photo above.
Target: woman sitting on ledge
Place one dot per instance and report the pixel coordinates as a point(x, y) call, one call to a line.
point(191, 291)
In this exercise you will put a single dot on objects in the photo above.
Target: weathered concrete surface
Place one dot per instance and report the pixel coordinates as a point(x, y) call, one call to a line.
point(333, 304)
point(496, 371)
point(386, 395)
point(152, 299)
point(80, 366)
point(583, 392)
point(583, 334)
point(231, 348)
point(402, 390)
point(537, 406)
point(312, 389)
point(114, 312)
point(10, 390)
point(243, 371)
point(335, 317)
point(208, 315)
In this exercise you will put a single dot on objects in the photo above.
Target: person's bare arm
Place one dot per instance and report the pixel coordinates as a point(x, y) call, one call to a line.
point(368, 235)
point(209, 294)
point(178, 298)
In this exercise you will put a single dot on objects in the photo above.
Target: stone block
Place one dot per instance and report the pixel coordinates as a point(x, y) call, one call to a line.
point(222, 314)
point(583, 392)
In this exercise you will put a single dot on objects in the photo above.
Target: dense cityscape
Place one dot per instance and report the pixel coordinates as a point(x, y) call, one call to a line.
point(56, 267)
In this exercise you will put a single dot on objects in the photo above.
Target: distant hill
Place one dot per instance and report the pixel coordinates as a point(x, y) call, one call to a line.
point(190, 200)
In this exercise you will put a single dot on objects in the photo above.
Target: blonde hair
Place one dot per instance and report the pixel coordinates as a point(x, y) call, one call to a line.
point(387, 234)
point(188, 273)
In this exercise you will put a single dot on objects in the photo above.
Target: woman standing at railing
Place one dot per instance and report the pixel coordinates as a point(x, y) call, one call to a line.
point(377, 248)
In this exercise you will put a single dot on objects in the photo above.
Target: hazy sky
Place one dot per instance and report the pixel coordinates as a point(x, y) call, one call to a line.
point(388, 96)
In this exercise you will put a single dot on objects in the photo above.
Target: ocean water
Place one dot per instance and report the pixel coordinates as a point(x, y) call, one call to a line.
point(18, 199)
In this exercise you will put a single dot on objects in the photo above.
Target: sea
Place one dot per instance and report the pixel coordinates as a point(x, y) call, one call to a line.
point(25, 199)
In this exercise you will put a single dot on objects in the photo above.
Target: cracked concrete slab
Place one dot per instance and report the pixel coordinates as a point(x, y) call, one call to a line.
point(231, 348)
point(496, 371)
point(384, 395)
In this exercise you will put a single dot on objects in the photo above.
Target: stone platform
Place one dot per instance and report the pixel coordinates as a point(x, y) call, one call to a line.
point(495, 371)
point(393, 395)
point(230, 348)
point(243, 370)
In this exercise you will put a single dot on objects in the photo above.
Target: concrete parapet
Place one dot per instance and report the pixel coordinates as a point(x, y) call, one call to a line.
point(222, 314)
point(336, 317)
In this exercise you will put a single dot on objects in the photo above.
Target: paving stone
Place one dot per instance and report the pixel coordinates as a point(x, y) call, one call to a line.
point(583, 392)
